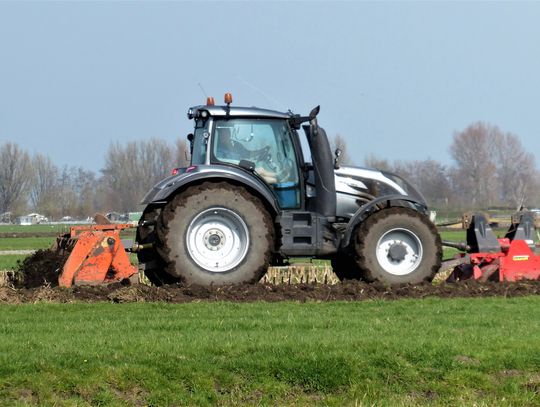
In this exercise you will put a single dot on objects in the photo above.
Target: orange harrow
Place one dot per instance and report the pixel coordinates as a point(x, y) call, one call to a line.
point(96, 255)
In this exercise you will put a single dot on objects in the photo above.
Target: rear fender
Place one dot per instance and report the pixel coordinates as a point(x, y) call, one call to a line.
point(166, 189)
point(371, 207)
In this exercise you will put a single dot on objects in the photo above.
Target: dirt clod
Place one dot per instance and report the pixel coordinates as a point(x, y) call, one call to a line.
point(40, 269)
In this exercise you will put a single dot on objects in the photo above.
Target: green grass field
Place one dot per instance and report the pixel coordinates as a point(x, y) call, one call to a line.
point(26, 243)
point(457, 235)
point(482, 352)
point(57, 229)
point(9, 261)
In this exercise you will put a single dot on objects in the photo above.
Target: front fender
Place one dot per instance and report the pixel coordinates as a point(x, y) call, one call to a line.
point(164, 190)
point(365, 210)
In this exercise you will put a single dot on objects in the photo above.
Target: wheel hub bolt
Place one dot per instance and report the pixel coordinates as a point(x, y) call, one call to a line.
point(397, 252)
point(214, 239)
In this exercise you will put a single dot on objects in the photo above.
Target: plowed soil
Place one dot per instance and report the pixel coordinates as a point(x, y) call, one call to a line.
point(41, 271)
point(348, 291)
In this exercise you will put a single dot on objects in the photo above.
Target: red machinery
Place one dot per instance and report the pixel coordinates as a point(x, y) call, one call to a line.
point(97, 255)
point(510, 258)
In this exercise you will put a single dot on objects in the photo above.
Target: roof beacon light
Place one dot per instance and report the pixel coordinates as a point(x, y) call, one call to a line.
point(210, 101)
point(228, 98)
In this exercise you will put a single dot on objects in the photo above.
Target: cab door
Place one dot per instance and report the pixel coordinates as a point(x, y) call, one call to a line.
point(268, 146)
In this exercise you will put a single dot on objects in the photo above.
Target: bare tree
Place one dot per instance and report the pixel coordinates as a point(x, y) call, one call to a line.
point(515, 170)
point(85, 186)
point(473, 150)
point(44, 188)
point(533, 194)
point(372, 161)
point(181, 156)
point(15, 177)
point(492, 167)
point(68, 200)
point(430, 177)
point(132, 169)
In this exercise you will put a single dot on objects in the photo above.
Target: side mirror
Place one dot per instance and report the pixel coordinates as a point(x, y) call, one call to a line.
point(190, 138)
point(337, 154)
point(313, 120)
point(314, 112)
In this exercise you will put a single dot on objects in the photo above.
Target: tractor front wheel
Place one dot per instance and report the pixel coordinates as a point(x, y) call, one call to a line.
point(398, 245)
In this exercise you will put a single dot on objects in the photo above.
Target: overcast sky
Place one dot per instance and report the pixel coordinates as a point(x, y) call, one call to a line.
point(395, 79)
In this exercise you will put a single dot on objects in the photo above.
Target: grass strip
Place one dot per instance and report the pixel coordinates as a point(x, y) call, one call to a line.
point(26, 243)
point(9, 261)
point(409, 352)
point(56, 229)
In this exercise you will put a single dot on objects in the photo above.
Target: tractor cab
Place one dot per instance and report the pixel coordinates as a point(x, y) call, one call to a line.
point(262, 142)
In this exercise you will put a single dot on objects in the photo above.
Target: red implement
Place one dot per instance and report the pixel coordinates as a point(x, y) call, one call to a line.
point(519, 263)
point(97, 256)
point(505, 259)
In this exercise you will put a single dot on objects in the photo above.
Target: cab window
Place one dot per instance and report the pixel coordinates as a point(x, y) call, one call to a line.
point(268, 145)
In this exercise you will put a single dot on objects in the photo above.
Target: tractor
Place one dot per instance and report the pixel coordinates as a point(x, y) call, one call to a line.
point(251, 199)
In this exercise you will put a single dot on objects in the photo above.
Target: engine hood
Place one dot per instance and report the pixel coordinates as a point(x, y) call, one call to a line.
point(356, 186)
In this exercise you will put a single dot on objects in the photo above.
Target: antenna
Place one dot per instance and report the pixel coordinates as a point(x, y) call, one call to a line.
point(202, 90)
point(262, 93)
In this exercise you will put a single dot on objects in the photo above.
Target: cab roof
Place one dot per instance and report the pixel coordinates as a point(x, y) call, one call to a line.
point(236, 111)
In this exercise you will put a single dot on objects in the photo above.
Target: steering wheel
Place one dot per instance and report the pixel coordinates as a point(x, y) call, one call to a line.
point(286, 171)
point(263, 154)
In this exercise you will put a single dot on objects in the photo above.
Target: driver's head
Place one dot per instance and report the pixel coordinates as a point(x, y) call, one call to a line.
point(225, 135)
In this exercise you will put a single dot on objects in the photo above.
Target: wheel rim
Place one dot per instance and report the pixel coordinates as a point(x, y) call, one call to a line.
point(399, 252)
point(217, 239)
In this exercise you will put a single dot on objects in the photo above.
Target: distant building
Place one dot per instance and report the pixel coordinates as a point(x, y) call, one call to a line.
point(31, 219)
point(24, 220)
point(37, 218)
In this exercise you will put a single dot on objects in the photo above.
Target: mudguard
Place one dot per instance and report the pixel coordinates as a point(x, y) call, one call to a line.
point(364, 211)
point(162, 191)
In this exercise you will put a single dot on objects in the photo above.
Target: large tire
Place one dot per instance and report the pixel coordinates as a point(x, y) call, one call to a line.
point(150, 263)
point(398, 245)
point(215, 233)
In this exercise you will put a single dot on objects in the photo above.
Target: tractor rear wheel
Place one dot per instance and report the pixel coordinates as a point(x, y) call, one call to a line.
point(398, 245)
point(215, 233)
point(150, 263)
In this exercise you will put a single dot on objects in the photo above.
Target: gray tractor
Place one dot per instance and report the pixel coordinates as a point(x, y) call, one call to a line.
point(250, 199)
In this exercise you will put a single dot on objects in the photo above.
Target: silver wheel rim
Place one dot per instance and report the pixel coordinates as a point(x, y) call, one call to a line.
point(399, 252)
point(217, 239)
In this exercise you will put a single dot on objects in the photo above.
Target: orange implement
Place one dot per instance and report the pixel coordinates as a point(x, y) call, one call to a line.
point(98, 256)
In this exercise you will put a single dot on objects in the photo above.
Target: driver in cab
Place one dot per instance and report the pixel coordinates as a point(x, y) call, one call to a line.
point(230, 149)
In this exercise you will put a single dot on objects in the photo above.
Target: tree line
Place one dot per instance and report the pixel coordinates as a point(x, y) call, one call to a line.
point(490, 168)
point(35, 183)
